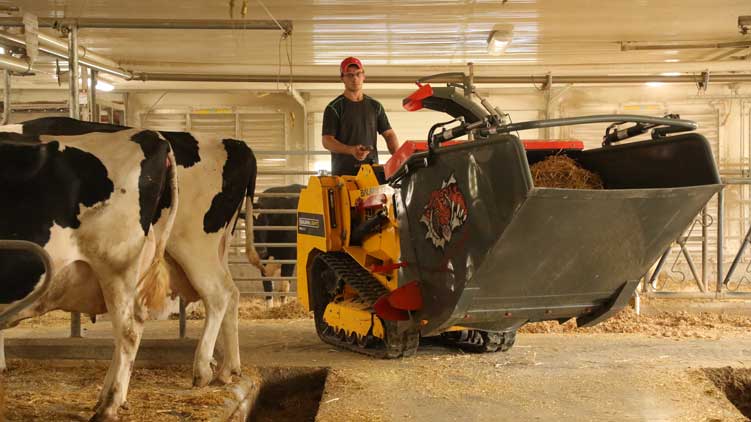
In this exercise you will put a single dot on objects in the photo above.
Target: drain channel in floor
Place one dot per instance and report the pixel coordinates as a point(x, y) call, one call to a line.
point(735, 383)
point(288, 394)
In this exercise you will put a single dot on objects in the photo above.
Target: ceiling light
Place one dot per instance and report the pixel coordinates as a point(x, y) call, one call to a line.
point(654, 84)
point(100, 85)
point(670, 74)
point(672, 60)
point(499, 39)
point(2, 50)
point(104, 86)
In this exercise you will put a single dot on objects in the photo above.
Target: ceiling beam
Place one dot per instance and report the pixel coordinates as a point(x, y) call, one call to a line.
point(518, 79)
point(122, 23)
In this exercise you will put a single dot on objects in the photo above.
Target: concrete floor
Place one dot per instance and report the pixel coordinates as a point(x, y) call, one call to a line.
point(563, 377)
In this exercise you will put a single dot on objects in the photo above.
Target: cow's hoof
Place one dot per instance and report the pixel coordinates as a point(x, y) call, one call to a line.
point(225, 373)
point(223, 377)
point(104, 417)
point(202, 377)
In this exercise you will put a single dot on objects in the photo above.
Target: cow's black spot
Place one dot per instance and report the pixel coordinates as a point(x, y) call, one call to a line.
point(64, 126)
point(238, 178)
point(61, 182)
point(165, 200)
point(150, 144)
point(185, 147)
point(151, 183)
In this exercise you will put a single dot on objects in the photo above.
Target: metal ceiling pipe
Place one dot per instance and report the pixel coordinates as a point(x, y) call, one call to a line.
point(83, 53)
point(631, 46)
point(14, 64)
point(203, 77)
point(60, 50)
point(103, 23)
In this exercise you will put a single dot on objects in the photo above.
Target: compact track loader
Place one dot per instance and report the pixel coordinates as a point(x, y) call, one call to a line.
point(452, 238)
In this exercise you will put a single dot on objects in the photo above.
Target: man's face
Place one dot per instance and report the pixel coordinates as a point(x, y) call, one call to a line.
point(353, 78)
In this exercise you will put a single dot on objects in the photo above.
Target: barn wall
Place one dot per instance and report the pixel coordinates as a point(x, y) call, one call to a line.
point(722, 111)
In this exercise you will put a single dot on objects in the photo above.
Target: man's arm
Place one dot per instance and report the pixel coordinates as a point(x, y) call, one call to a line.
point(392, 142)
point(333, 145)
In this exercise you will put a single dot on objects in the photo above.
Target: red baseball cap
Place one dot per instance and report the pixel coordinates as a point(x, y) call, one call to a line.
point(349, 61)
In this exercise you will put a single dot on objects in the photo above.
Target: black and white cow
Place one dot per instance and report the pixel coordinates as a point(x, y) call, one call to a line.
point(102, 206)
point(214, 176)
point(277, 236)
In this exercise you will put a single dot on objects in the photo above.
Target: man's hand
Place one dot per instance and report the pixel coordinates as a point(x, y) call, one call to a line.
point(360, 152)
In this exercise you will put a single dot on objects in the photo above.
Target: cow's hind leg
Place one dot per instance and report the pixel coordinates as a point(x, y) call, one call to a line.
point(288, 270)
point(228, 339)
point(268, 287)
point(215, 287)
point(119, 292)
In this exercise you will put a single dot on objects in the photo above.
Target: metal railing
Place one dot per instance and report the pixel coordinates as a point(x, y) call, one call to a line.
point(720, 287)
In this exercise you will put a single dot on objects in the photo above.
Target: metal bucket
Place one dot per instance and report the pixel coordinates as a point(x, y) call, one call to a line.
point(492, 251)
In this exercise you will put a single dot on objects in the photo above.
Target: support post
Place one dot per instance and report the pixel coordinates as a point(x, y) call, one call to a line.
point(93, 109)
point(704, 258)
point(183, 322)
point(75, 317)
point(73, 71)
point(6, 97)
point(548, 87)
point(75, 324)
point(720, 242)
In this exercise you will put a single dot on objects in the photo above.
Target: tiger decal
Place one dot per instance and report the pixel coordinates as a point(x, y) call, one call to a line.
point(444, 213)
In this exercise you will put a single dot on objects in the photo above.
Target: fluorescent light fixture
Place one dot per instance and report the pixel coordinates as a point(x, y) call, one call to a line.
point(672, 60)
point(670, 74)
point(499, 39)
point(275, 160)
point(100, 85)
point(654, 84)
point(2, 50)
point(104, 86)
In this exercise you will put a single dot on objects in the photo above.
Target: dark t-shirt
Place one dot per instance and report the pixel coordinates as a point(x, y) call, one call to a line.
point(354, 123)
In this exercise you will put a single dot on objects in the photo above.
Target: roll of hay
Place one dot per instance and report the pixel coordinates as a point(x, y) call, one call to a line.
point(560, 171)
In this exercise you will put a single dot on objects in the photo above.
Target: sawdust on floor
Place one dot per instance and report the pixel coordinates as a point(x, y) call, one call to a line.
point(43, 390)
point(662, 324)
point(254, 308)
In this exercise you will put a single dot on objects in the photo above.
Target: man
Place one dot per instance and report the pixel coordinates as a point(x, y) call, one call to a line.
point(351, 123)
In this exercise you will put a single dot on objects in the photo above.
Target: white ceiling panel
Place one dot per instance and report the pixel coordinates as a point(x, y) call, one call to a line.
point(388, 35)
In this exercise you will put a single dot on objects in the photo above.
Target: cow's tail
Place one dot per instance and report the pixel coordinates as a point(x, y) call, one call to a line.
point(250, 249)
point(154, 283)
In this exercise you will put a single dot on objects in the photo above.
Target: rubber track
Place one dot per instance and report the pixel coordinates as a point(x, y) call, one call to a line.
point(483, 342)
point(369, 289)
